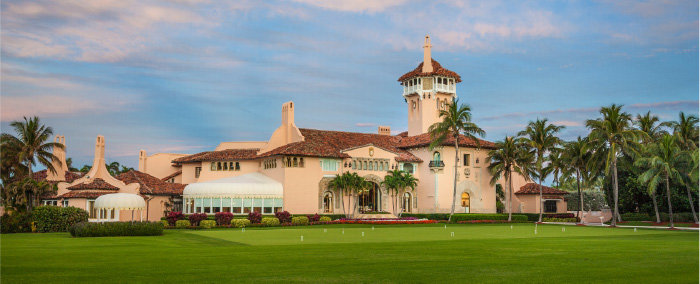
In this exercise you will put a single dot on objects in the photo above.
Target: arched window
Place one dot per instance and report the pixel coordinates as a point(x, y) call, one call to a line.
point(376, 165)
point(465, 199)
point(238, 166)
point(406, 202)
point(225, 166)
point(364, 166)
point(301, 162)
point(295, 162)
point(370, 166)
point(354, 165)
point(408, 168)
point(218, 166)
point(436, 156)
point(327, 202)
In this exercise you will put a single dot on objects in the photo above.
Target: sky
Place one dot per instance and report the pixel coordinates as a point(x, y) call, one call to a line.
point(183, 76)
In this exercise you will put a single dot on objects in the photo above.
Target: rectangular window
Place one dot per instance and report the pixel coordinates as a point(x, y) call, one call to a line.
point(65, 203)
point(550, 206)
point(329, 165)
point(92, 212)
point(237, 205)
point(197, 171)
point(213, 166)
point(467, 159)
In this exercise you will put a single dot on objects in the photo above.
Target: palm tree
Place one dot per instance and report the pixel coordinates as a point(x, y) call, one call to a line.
point(22, 192)
point(408, 181)
point(610, 136)
point(342, 185)
point(69, 163)
point(686, 130)
point(509, 156)
point(85, 168)
point(31, 146)
point(540, 137)
point(691, 174)
point(556, 165)
point(456, 119)
point(576, 156)
point(647, 123)
point(663, 161)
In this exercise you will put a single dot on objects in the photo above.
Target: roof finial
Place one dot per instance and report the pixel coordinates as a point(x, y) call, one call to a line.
point(427, 60)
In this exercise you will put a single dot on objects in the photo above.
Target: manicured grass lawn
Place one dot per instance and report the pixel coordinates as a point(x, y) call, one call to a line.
point(392, 253)
point(662, 224)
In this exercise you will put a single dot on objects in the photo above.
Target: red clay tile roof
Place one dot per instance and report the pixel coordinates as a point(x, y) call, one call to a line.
point(437, 70)
point(70, 176)
point(97, 183)
point(325, 143)
point(531, 188)
point(223, 155)
point(150, 185)
point(86, 194)
point(424, 140)
point(165, 179)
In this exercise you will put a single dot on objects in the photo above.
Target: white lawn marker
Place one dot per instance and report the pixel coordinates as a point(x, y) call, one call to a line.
point(363, 234)
point(445, 226)
point(635, 229)
point(452, 234)
point(535, 228)
point(511, 227)
point(325, 230)
point(343, 231)
point(302, 238)
point(372, 228)
point(243, 230)
point(563, 229)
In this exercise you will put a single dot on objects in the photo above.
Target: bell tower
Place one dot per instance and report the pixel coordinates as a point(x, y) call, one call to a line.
point(427, 90)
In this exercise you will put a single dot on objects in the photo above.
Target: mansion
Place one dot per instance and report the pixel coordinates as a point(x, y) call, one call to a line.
point(291, 170)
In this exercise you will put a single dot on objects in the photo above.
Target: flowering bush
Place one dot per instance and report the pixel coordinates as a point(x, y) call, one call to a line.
point(314, 218)
point(255, 217)
point(182, 224)
point(301, 220)
point(173, 216)
point(284, 217)
point(384, 222)
point(223, 218)
point(489, 221)
point(197, 217)
point(207, 224)
point(269, 221)
point(240, 223)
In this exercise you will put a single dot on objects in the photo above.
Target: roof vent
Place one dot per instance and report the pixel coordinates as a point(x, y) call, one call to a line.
point(384, 130)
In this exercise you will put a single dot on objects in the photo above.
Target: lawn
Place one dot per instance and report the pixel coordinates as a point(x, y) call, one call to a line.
point(334, 253)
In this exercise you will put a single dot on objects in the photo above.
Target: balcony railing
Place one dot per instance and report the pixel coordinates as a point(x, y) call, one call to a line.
point(436, 164)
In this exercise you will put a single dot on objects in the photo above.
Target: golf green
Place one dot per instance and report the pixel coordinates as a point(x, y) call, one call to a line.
point(359, 253)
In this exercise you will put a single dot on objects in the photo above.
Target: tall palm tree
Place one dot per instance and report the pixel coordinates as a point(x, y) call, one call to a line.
point(393, 182)
point(556, 165)
point(540, 136)
point(341, 184)
point(32, 145)
point(648, 124)
point(509, 156)
point(686, 130)
point(610, 136)
point(663, 161)
point(576, 156)
point(22, 192)
point(691, 174)
point(456, 120)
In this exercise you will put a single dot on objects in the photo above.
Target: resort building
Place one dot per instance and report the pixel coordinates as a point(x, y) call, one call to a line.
point(291, 170)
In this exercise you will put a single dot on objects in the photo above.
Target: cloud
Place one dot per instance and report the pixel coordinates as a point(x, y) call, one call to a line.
point(370, 6)
point(365, 124)
point(567, 123)
point(541, 113)
point(667, 105)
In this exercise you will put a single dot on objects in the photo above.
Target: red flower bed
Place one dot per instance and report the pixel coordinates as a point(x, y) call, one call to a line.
point(383, 222)
point(483, 221)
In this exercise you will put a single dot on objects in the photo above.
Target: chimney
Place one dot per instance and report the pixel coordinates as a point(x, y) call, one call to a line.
point(59, 164)
point(384, 130)
point(288, 113)
point(142, 161)
point(427, 59)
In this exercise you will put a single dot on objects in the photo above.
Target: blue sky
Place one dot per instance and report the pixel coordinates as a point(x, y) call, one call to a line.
point(183, 76)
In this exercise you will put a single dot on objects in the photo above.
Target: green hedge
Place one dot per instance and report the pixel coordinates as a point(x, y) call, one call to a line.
point(637, 217)
point(567, 220)
point(301, 220)
point(207, 224)
point(270, 222)
point(429, 216)
point(57, 219)
point(17, 222)
point(332, 216)
point(474, 217)
point(240, 223)
point(109, 229)
point(182, 224)
point(165, 223)
point(325, 219)
point(677, 217)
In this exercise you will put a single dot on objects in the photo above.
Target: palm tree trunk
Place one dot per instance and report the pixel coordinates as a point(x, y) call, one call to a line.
point(30, 198)
point(342, 201)
point(539, 170)
point(580, 197)
point(692, 204)
point(454, 189)
point(670, 207)
point(510, 196)
point(615, 212)
point(656, 206)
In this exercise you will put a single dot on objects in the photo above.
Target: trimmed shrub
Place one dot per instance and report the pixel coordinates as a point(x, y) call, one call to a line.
point(269, 222)
point(173, 216)
point(17, 222)
point(284, 217)
point(196, 218)
point(474, 217)
point(223, 218)
point(568, 220)
point(677, 217)
point(207, 224)
point(534, 217)
point(255, 217)
point(165, 223)
point(240, 223)
point(637, 217)
point(301, 220)
point(324, 219)
point(57, 219)
point(431, 216)
point(108, 229)
point(314, 218)
point(182, 224)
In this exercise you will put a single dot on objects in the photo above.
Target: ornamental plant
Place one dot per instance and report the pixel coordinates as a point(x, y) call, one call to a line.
point(207, 224)
point(240, 223)
point(223, 218)
point(300, 220)
point(57, 219)
point(107, 229)
point(324, 219)
point(197, 217)
point(270, 222)
point(182, 224)
point(173, 216)
point(284, 217)
point(314, 218)
point(255, 217)
point(165, 223)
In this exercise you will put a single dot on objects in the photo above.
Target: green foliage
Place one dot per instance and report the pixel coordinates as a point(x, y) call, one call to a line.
point(270, 222)
point(58, 219)
point(592, 200)
point(324, 219)
point(300, 220)
point(563, 220)
point(165, 223)
point(109, 229)
point(429, 216)
point(17, 222)
point(637, 217)
point(475, 216)
point(240, 223)
point(182, 224)
point(207, 224)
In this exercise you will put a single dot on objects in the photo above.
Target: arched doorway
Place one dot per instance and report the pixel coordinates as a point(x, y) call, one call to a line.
point(369, 200)
point(406, 202)
point(328, 202)
point(465, 202)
